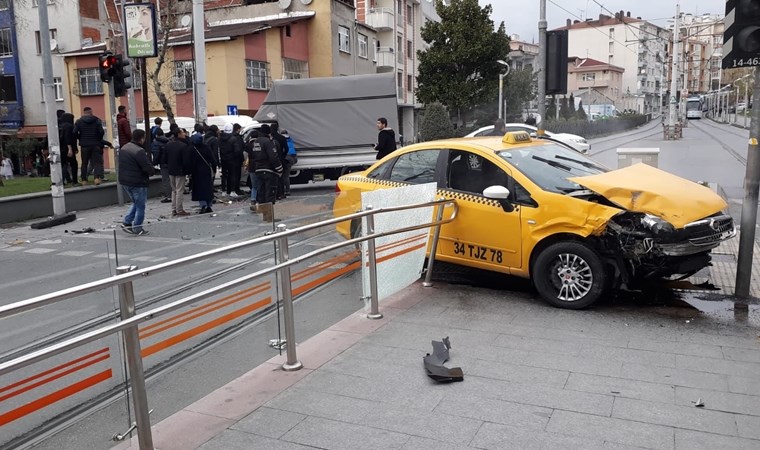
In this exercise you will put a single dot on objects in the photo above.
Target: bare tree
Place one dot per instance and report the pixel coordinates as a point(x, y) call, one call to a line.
point(169, 11)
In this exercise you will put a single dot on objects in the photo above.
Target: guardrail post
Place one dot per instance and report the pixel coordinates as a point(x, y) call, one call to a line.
point(433, 248)
point(292, 363)
point(134, 361)
point(374, 310)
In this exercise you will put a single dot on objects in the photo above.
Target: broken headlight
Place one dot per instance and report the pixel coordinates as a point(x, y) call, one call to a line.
point(656, 224)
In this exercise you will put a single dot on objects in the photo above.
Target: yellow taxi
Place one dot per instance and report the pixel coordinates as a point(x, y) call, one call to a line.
point(538, 209)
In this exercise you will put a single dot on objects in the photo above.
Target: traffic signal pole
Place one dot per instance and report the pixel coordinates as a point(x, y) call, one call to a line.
point(541, 67)
point(749, 206)
point(674, 52)
point(54, 144)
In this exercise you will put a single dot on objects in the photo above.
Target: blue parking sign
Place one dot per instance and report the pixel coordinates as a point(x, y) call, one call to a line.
point(232, 110)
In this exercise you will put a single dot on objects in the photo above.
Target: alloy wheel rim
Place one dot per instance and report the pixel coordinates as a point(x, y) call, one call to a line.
point(574, 277)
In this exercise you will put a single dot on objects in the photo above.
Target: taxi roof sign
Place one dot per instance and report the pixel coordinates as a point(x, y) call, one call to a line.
point(516, 137)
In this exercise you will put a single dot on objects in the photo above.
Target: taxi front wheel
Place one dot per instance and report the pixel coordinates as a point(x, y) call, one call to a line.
point(569, 275)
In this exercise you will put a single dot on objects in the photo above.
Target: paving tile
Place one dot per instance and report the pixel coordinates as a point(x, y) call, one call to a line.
point(497, 437)
point(687, 417)
point(418, 336)
point(611, 430)
point(749, 342)
point(681, 348)
point(744, 385)
point(537, 395)
point(515, 373)
point(268, 422)
point(675, 377)
point(538, 344)
point(498, 411)
point(418, 443)
point(238, 440)
point(621, 387)
point(329, 434)
point(615, 340)
point(749, 427)
point(320, 404)
point(741, 354)
point(721, 366)
point(628, 355)
point(186, 429)
point(696, 440)
point(719, 401)
point(437, 425)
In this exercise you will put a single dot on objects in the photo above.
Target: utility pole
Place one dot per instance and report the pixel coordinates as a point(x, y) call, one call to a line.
point(674, 76)
point(749, 206)
point(199, 37)
point(131, 112)
point(114, 131)
point(54, 145)
point(542, 67)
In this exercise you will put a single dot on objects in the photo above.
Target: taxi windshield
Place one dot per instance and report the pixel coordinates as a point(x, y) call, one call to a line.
point(550, 165)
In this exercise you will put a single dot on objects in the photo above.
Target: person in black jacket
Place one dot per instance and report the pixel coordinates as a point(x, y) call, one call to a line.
point(203, 168)
point(134, 172)
point(386, 139)
point(231, 155)
point(266, 165)
point(157, 150)
point(211, 138)
point(177, 158)
point(68, 146)
point(88, 130)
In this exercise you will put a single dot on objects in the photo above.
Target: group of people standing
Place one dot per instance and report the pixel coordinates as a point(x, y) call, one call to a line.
point(86, 134)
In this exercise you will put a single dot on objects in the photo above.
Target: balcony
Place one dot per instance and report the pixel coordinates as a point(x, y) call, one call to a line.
point(385, 59)
point(381, 19)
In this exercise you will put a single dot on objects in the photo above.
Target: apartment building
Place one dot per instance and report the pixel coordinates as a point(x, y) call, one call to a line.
point(11, 96)
point(72, 24)
point(701, 52)
point(633, 44)
point(594, 82)
point(522, 54)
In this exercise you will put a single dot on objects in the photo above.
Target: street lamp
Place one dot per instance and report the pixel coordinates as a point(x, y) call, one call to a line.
point(501, 84)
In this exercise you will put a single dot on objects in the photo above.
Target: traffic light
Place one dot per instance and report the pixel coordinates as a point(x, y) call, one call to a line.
point(556, 62)
point(741, 38)
point(120, 76)
point(106, 62)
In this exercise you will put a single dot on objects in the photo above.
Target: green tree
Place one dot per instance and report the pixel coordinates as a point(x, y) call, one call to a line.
point(460, 68)
point(564, 109)
point(435, 123)
point(581, 113)
point(520, 87)
point(551, 110)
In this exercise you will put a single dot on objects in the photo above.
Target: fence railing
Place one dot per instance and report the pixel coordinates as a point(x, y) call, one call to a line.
point(129, 320)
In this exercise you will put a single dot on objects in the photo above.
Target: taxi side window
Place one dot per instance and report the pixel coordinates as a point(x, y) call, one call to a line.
point(415, 167)
point(472, 173)
point(380, 170)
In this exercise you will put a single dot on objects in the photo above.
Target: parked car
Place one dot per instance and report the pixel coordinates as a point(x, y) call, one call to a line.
point(536, 209)
point(574, 141)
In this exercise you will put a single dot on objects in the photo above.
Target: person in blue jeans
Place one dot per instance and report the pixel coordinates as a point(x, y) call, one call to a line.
point(251, 171)
point(134, 172)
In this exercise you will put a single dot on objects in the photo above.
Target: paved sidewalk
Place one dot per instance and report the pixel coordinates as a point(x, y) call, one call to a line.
point(535, 377)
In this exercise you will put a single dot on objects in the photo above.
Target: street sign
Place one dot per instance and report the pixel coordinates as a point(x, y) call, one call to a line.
point(741, 38)
point(232, 110)
point(673, 99)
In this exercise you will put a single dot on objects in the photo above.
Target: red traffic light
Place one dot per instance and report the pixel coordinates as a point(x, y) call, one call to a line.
point(108, 62)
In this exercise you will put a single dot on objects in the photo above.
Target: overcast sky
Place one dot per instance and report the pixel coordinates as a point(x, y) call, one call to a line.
point(521, 16)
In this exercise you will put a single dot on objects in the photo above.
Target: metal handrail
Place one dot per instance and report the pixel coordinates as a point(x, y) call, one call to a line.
point(42, 354)
point(95, 286)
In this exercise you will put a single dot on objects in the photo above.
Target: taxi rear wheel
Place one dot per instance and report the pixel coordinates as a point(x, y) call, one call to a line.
point(569, 275)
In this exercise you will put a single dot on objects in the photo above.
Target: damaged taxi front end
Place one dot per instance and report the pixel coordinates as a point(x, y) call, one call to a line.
point(667, 227)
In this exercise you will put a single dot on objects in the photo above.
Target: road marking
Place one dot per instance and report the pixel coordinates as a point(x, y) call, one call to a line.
point(49, 241)
point(148, 258)
point(40, 250)
point(74, 253)
point(111, 256)
point(11, 249)
point(231, 260)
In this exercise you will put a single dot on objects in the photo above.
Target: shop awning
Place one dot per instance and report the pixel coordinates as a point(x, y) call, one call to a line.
point(33, 131)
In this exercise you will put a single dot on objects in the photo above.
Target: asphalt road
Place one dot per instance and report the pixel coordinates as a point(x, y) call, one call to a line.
point(36, 262)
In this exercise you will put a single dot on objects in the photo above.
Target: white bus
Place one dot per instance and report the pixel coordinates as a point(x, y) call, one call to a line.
point(694, 108)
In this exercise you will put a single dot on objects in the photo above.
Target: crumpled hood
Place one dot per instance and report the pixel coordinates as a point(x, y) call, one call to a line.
point(646, 189)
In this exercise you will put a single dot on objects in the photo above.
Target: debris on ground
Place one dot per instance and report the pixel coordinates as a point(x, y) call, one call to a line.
point(434, 363)
point(699, 403)
point(82, 231)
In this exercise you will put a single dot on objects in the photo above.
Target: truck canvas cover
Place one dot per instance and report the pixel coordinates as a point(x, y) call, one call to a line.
point(332, 119)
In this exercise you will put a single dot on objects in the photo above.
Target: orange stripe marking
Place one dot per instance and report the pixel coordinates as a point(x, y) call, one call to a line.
point(54, 397)
point(157, 347)
point(54, 369)
point(324, 278)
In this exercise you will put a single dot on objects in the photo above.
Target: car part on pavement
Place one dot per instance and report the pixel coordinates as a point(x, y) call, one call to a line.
point(434, 363)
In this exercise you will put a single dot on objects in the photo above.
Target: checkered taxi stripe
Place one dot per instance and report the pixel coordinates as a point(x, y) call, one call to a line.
point(446, 193)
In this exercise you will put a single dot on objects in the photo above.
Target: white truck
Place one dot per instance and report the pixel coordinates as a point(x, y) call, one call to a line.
point(331, 121)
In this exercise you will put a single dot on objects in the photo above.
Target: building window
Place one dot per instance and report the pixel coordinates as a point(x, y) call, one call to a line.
point(612, 33)
point(58, 89)
point(399, 12)
point(294, 69)
point(400, 85)
point(612, 47)
point(363, 46)
point(7, 88)
point(256, 75)
point(6, 49)
point(375, 48)
point(400, 47)
point(53, 35)
point(35, 3)
point(409, 49)
point(89, 82)
point(287, 30)
point(589, 76)
point(183, 76)
point(409, 14)
point(344, 44)
point(409, 83)
point(4, 4)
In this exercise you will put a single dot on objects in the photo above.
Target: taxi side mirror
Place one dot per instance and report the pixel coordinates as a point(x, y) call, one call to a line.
point(501, 194)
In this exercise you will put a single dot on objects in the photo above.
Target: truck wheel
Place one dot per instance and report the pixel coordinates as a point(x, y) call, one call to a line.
point(569, 275)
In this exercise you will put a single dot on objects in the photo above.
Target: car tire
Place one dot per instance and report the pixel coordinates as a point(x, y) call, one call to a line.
point(569, 275)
